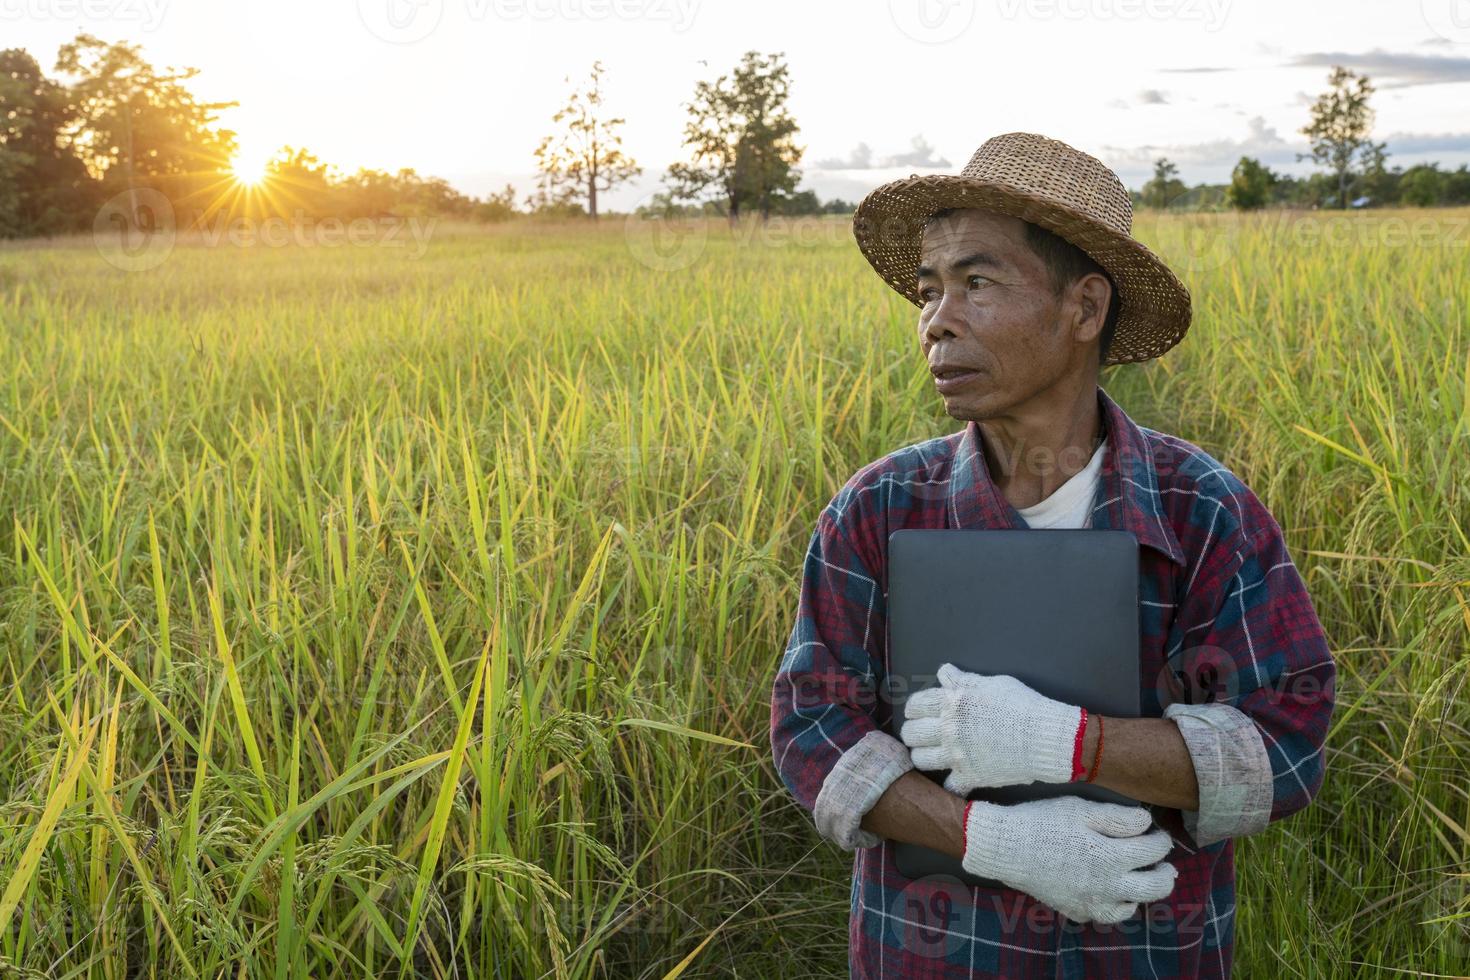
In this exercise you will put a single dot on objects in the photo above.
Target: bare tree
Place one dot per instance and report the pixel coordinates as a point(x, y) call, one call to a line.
point(585, 158)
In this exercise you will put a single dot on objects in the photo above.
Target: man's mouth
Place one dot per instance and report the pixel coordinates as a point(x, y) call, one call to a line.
point(949, 379)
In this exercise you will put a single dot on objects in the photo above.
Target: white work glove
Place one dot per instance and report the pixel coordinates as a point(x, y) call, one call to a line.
point(989, 730)
point(1079, 856)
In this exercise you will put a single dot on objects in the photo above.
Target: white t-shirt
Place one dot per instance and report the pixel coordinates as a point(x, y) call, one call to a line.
point(1070, 505)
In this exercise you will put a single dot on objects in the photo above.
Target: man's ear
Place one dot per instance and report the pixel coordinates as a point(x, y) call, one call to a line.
point(1091, 294)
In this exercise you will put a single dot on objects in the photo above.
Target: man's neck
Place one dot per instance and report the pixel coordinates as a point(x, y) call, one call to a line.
point(1039, 446)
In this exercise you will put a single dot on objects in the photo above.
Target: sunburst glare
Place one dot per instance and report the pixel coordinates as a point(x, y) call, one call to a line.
point(251, 165)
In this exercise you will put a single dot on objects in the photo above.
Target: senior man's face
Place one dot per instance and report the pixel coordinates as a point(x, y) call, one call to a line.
point(991, 325)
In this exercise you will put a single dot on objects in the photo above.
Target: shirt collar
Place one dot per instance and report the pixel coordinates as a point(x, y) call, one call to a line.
point(1128, 486)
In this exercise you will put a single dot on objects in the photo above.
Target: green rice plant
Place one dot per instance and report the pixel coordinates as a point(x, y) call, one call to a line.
point(372, 613)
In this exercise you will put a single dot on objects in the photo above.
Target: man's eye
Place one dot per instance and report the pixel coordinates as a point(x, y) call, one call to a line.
point(976, 280)
point(928, 293)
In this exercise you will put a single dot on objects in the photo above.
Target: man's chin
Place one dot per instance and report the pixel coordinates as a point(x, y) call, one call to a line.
point(967, 408)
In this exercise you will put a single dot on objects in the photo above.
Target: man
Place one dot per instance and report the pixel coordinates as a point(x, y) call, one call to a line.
point(1028, 281)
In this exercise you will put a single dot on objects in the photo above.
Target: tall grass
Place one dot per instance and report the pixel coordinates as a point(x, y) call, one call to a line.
point(366, 613)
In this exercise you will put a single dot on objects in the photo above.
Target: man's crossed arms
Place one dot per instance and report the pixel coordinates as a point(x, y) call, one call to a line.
point(1087, 859)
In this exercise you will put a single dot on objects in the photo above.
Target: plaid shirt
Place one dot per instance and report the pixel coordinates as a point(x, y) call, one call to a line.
point(1231, 650)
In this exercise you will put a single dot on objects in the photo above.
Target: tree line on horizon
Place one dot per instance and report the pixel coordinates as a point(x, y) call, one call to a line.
point(1340, 133)
point(119, 126)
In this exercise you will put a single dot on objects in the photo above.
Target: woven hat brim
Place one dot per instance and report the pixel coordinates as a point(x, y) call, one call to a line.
point(1153, 305)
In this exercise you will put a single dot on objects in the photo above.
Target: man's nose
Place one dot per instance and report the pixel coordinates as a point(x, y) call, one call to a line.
point(946, 320)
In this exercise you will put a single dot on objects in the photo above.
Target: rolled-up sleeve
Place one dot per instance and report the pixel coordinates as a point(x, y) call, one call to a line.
point(828, 746)
point(1264, 679)
point(1232, 768)
point(862, 774)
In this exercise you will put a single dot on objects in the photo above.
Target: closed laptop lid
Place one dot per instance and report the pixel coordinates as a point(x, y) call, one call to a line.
point(1056, 608)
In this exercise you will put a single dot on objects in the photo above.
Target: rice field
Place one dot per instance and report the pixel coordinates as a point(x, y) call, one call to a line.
point(374, 610)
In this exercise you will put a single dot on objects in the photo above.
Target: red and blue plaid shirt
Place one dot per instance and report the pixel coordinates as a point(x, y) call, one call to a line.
point(1231, 648)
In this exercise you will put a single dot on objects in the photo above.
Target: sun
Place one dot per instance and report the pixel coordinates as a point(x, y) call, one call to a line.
point(250, 166)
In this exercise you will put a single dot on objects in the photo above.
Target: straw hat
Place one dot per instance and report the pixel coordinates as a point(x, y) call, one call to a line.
point(1051, 184)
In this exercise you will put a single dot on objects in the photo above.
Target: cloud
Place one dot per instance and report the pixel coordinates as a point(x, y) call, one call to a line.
point(1410, 144)
point(1208, 162)
point(861, 158)
point(1211, 162)
point(829, 185)
point(1192, 71)
point(1259, 139)
point(920, 154)
point(1149, 96)
point(1402, 69)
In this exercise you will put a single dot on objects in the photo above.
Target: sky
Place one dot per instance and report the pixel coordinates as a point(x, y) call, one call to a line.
point(465, 89)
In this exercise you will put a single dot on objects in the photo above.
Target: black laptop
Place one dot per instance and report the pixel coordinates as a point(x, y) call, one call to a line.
point(1056, 608)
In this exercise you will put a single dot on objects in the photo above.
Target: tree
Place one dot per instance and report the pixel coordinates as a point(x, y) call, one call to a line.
point(661, 205)
point(553, 199)
point(135, 125)
point(497, 207)
point(800, 203)
point(1379, 182)
point(1341, 122)
point(586, 157)
point(1250, 185)
point(740, 137)
point(118, 126)
point(377, 193)
point(1165, 187)
point(44, 187)
point(1457, 185)
point(297, 182)
point(1422, 186)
